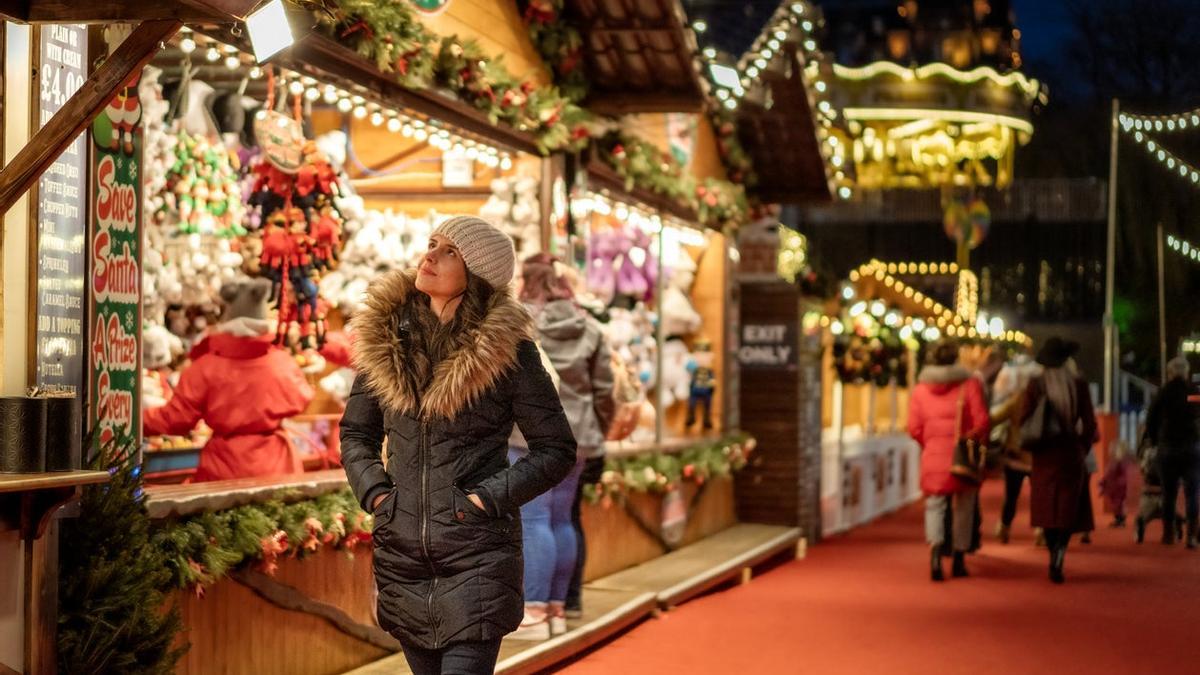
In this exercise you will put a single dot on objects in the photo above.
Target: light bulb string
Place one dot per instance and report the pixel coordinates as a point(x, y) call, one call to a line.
point(1173, 162)
point(1173, 123)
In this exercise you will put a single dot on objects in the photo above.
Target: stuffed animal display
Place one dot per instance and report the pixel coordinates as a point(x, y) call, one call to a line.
point(620, 264)
point(385, 241)
point(514, 207)
point(203, 194)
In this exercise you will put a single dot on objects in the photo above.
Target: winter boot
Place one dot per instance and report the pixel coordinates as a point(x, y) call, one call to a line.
point(1002, 532)
point(1169, 530)
point(935, 564)
point(1191, 534)
point(1140, 529)
point(959, 570)
point(1057, 558)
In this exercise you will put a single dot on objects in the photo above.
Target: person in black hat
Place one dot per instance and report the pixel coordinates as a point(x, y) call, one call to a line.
point(1060, 504)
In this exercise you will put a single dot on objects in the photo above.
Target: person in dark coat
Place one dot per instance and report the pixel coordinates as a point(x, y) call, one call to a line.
point(1171, 426)
point(446, 366)
point(947, 404)
point(1060, 503)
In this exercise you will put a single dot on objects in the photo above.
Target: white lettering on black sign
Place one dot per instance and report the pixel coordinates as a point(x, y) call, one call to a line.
point(767, 346)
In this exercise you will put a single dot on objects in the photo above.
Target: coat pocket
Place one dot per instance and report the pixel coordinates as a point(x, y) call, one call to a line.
point(384, 513)
point(466, 513)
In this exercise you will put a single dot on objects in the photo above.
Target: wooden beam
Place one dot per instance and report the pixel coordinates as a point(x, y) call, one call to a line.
point(128, 11)
point(77, 115)
point(624, 102)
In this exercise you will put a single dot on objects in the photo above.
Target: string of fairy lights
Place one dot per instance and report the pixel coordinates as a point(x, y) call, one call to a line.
point(1183, 247)
point(1139, 127)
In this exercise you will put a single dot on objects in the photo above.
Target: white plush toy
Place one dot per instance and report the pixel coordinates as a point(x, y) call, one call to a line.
point(676, 378)
point(159, 348)
point(679, 316)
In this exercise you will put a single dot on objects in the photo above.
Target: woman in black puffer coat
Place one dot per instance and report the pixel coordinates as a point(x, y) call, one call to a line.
point(446, 366)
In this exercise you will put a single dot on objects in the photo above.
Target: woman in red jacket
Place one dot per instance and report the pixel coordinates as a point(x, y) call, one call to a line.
point(947, 404)
point(243, 387)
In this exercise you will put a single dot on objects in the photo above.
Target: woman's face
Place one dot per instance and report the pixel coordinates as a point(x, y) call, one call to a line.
point(442, 273)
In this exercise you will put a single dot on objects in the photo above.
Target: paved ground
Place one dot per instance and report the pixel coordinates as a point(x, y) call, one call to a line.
point(863, 603)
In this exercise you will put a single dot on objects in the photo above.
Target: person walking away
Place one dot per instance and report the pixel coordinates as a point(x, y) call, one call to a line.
point(1171, 424)
point(1009, 400)
point(578, 350)
point(946, 405)
point(446, 365)
point(1150, 504)
point(1060, 504)
point(1114, 485)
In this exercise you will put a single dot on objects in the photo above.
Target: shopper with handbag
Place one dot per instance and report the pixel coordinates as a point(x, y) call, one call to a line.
point(948, 419)
point(1059, 426)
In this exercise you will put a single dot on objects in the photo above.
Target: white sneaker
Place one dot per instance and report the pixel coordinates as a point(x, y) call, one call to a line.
point(558, 625)
point(532, 628)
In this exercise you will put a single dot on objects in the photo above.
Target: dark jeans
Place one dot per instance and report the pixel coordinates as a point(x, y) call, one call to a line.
point(1012, 492)
point(460, 658)
point(1176, 468)
point(593, 468)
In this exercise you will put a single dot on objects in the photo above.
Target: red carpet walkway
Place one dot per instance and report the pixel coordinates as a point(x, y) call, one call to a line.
point(863, 603)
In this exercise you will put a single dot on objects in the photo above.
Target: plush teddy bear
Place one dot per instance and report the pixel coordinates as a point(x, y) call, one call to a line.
point(159, 348)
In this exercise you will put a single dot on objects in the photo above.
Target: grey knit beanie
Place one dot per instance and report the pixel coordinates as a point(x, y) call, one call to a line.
point(486, 251)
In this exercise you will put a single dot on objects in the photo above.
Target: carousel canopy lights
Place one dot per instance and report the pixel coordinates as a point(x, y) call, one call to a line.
point(269, 30)
point(1030, 87)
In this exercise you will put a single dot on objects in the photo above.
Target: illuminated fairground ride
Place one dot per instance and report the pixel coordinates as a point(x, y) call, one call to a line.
point(888, 126)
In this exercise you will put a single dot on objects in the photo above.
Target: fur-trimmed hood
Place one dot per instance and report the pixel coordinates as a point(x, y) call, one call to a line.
point(459, 379)
point(946, 375)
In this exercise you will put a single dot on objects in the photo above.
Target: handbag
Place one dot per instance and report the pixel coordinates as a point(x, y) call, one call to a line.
point(1040, 425)
point(970, 457)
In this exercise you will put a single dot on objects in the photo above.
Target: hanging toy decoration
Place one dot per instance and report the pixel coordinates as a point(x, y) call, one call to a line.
point(967, 223)
point(295, 188)
point(202, 193)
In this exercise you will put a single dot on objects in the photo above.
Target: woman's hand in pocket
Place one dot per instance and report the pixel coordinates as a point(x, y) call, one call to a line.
point(474, 499)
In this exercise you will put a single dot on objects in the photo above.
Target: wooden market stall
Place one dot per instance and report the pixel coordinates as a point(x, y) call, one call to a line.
point(259, 566)
point(872, 343)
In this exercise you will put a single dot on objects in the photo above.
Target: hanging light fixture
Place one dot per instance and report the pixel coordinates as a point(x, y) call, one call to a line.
point(269, 30)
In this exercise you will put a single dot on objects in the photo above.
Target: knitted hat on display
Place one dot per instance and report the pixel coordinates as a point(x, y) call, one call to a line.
point(486, 251)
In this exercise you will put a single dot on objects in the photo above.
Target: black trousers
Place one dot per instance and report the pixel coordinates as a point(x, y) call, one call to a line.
point(1013, 479)
point(460, 658)
point(593, 468)
point(1179, 469)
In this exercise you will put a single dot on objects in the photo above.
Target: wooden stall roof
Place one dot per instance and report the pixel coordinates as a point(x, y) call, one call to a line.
point(640, 56)
point(133, 11)
point(780, 135)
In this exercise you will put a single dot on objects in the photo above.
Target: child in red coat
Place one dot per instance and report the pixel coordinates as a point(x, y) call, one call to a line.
point(243, 387)
point(1114, 486)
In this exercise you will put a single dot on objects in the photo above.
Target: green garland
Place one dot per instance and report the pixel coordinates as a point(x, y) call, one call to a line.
point(737, 160)
point(658, 473)
point(719, 204)
point(559, 43)
point(203, 548)
point(391, 35)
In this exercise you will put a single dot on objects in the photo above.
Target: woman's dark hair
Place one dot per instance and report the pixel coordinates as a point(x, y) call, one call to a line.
point(541, 282)
point(430, 340)
point(944, 352)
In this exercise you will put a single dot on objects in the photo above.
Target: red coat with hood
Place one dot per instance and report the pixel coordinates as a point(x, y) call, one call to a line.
point(932, 419)
point(243, 387)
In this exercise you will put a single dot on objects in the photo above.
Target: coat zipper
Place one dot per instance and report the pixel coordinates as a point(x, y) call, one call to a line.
point(423, 450)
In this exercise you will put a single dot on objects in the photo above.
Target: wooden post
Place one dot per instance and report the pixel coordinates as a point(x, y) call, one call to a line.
point(78, 113)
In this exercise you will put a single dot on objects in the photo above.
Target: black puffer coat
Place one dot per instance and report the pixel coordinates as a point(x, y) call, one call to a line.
point(446, 571)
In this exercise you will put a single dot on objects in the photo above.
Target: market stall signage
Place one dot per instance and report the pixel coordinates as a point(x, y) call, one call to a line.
point(115, 249)
point(61, 220)
point(431, 7)
point(767, 346)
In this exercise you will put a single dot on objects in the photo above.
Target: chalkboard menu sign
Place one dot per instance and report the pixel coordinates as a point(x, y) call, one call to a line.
point(62, 220)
